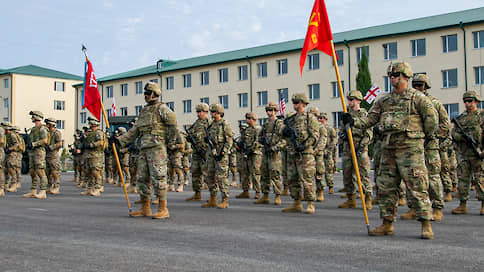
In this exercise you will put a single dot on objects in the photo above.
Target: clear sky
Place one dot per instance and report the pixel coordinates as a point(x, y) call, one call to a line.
point(124, 35)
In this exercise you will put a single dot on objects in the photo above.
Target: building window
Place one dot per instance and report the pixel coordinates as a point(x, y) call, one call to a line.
point(283, 93)
point(334, 86)
point(242, 122)
point(314, 91)
point(59, 105)
point(313, 61)
point(337, 116)
point(479, 74)
point(388, 84)
point(6, 83)
point(262, 69)
point(224, 100)
point(449, 43)
point(5, 119)
point(359, 53)
point(261, 98)
point(479, 106)
point(452, 110)
point(187, 81)
point(204, 78)
point(262, 121)
point(109, 91)
point(478, 39)
point(83, 117)
point(418, 47)
point(59, 124)
point(390, 51)
point(58, 86)
point(187, 106)
point(139, 87)
point(124, 89)
point(243, 100)
point(5, 102)
point(243, 72)
point(223, 75)
point(124, 111)
point(154, 80)
point(205, 100)
point(449, 78)
point(138, 109)
point(171, 105)
point(340, 55)
point(109, 112)
point(282, 67)
point(169, 83)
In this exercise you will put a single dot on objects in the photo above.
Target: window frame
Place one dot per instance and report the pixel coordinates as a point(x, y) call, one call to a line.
point(243, 97)
point(282, 67)
point(139, 87)
point(170, 83)
point(243, 72)
point(222, 101)
point(445, 43)
point(124, 89)
point(187, 106)
point(446, 79)
point(262, 70)
point(312, 91)
point(204, 78)
point(262, 98)
point(313, 61)
point(416, 46)
point(387, 51)
point(187, 80)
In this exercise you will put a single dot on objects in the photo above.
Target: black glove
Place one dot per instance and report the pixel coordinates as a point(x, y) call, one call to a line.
point(300, 148)
point(7, 150)
point(47, 148)
point(30, 146)
point(85, 145)
point(348, 119)
point(286, 132)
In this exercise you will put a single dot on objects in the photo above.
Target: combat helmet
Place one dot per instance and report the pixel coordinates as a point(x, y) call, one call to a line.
point(202, 107)
point(50, 121)
point(251, 115)
point(122, 130)
point(314, 110)
point(300, 97)
point(324, 115)
point(93, 121)
point(402, 67)
point(272, 105)
point(37, 115)
point(153, 87)
point(422, 78)
point(472, 94)
point(217, 107)
point(356, 95)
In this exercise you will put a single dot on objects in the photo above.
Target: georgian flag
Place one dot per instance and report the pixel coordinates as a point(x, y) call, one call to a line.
point(372, 93)
point(113, 108)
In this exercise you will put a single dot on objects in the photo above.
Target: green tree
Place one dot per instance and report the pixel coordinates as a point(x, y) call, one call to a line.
point(363, 79)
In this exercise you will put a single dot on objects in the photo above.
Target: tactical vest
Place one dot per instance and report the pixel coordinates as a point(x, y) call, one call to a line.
point(36, 132)
point(197, 131)
point(471, 123)
point(150, 122)
point(300, 122)
point(92, 137)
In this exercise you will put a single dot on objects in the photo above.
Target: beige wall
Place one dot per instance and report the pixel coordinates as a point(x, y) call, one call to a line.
point(5, 93)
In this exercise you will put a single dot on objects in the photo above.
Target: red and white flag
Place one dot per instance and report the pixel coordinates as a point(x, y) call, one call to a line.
point(91, 99)
point(282, 106)
point(113, 108)
point(372, 93)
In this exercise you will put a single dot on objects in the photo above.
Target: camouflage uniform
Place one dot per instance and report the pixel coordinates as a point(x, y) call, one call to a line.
point(109, 162)
point(76, 157)
point(328, 154)
point(94, 148)
point(453, 166)
point(13, 151)
point(198, 167)
point(242, 166)
point(187, 157)
point(123, 156)
point(233, 165)
point(253, 156)
point(319, 148)
point(38, 138)
point(3, 181)
point(176, 147)
point(470, 167)
point(52, 157)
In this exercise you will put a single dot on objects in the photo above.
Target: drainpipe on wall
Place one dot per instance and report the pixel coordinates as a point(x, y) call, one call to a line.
point(250, 81)
point(102, 101)
point(159, 74)
point(349, 64)
point(76, 112)
point(461, 25)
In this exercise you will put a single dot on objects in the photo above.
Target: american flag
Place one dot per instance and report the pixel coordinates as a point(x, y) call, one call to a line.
point(282, 106)
point(113, 108)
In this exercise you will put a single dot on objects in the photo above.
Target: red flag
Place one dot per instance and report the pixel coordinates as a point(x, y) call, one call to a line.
point(319, 32)
point(92, 98)
point(113, 108)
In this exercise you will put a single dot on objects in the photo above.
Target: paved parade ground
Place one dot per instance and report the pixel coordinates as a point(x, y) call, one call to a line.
point(70, 232)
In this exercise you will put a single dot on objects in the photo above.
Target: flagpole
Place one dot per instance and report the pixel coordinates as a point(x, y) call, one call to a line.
point(120, 171)
point(350, 138)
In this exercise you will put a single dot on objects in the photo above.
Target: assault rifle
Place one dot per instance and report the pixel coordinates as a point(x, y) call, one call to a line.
point(242, 144)
point(193, 141)
point(469, 139)
point(28, 142)
point(290, 132)
point(210, 143)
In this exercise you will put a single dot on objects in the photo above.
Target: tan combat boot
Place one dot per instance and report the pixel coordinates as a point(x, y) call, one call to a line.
point(171, 188)
point(331, 190)
point(257, 195)
point(462, 209)
point(286, 191)
point(155, 201)
point(320, 196)
point(132, 189)
point(263, 200)
point(427, 230)
point(12, 188)
point(145, 210)
point(296, 207)
point(19, 185)
point(402, 201)
point(341, 190)
point(368, 202)
point(211, 202)
point(350, 203)
point(41, 195)
point(244, 194)
point(385, 229)
point(95, 192)
point(86, 192)
point(448, 197)
point(196, 197)
point(437, 215)
point(180, 188)
point(482, 208)
point(55, 189)
point(310, 208)
point(162, 211)
point(32, 193)
point(224, 204)
point(277, 200)
point(2, 192)
point(410, 215)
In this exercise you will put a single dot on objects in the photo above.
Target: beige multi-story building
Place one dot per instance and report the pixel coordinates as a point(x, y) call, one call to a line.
point(449, 48)
point(31, 87)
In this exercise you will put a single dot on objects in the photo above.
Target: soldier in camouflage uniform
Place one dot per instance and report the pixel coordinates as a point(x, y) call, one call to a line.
point(361, 140)
point(155, 125)
point(109, 161)
point(52, 157)
point(38, 138)
point(233, 165)
point(408, 118)
point(328, 152)
point(301, 132)
point(123, 155)
point(133, 161)
point(453, 166)
point(13, 150)
point(3, 181)
point(93, 147)
point(187, 157)
point(176, 147)
point(271, 139)
point(76, 155)
point(470, 167)
point(219, 140)
point(319, 148)
point(242, 165)
point(196, 136)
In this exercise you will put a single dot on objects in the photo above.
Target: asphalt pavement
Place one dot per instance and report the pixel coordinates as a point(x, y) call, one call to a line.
point(70, 232)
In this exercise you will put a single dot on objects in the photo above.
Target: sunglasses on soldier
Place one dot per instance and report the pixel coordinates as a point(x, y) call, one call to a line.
point(417, 84)
point(468, 100)
point(270, 109)
point(394, 74)
point(295, 102)
point(148, 92)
